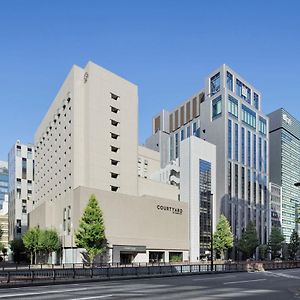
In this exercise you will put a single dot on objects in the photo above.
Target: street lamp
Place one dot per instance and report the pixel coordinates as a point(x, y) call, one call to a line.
point(211, 233)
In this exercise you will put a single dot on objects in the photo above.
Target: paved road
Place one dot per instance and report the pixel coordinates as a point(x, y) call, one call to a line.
point(280, 284)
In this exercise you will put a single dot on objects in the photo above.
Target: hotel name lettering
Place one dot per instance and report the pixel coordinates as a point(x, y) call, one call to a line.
point(173, 210)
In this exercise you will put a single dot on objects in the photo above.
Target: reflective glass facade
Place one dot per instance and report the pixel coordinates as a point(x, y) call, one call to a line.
point(205, 204)
point(3, 183)
point(285, 165)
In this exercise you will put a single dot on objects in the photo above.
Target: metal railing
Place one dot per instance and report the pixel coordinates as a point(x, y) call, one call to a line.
point(52, 273)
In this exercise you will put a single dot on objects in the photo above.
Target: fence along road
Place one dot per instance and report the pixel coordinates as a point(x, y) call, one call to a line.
point(16, 276)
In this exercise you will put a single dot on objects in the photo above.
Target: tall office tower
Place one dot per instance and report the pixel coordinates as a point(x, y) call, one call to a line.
point(3, 181)
point(20, 188)
point(285, 164)
point(227, 113)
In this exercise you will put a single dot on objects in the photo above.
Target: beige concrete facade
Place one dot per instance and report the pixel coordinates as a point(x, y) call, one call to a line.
point(88, 144)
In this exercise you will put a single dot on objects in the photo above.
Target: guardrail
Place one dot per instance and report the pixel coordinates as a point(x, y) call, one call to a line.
point(10, 277)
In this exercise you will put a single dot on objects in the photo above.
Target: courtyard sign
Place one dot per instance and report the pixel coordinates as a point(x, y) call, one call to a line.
point(173, 210)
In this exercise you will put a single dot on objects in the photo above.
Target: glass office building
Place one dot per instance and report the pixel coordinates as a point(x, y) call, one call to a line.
point(3, 181)
point(285, 165)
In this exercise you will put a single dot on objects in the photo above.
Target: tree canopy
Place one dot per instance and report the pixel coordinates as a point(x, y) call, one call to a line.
point(91, 231)
point(275, 241)
point(294, 244)
point(248, 241)
point(222, 238)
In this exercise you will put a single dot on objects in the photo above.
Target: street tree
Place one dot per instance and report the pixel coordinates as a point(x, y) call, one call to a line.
point(32, 243)
point(49, 241)
point(275, 242)
point(18, 248)
point(248, 241)
point(223, 237)
point(91, 231)
point(294, 245)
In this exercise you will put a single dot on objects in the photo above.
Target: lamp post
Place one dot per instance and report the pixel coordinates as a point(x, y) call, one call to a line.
point(211, 233)
point(297, 184)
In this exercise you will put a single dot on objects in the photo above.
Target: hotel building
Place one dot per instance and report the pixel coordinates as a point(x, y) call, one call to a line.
point(87, 144)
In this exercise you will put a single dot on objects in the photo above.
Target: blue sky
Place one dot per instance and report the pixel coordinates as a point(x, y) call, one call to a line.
point(165, 47)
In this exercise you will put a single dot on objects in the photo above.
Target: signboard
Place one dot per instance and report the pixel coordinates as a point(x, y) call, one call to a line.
point(286, 119)
point(173, 210)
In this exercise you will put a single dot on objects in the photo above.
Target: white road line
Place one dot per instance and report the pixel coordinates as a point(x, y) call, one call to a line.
point(93, 297)
point(244, 281)
point(204, 279)
point(42, 293)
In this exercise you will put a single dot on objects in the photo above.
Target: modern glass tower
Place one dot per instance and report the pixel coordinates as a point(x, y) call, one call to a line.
point(226, 113)
point(232, 119)
point(285, 164)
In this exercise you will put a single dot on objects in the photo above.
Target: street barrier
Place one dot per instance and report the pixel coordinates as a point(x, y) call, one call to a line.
point(11, 275)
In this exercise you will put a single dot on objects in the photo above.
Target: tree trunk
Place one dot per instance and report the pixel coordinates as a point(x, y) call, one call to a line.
point(35, 258)
point(31, 257)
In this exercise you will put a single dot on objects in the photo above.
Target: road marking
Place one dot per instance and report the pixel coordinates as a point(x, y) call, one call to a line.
point(39, 293)
point(244, 281)
point(221, 277)
point(93, 297)
point(285, 275)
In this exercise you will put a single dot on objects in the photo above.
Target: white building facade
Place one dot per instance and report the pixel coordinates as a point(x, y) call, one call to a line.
point(21, 188)
point(226, 113)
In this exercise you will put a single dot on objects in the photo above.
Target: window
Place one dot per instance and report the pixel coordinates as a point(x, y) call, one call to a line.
point(216, 107)
point(248, 116)
point(29, 153)
point(243, 145)
point(18, 150)
point(114, 123)
point(114, 188)
point(260, 154)
point(233, 106)
point(114, 96)
point(249, 189)
point(262, 125)
point(114, 109)
point(236, 180)
point(249, 148)
point(114, 175)
point(215, 84)
point(243, 91)
point(24, 206)
point(229, 179)
point(229, 138)
point(254, 188)
point(205, 206)
point(255, 100)
point(188, 131)
point(229, 81)
point(114, 149)
point(254, 151)
point(24, 168)
point(19, 226)
point(243, 183)
point(172, 147)
point(114, 136)
point(236, 142)
point(176, 145)
point(182, 135)
point(194, 128)
point(265, 156)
